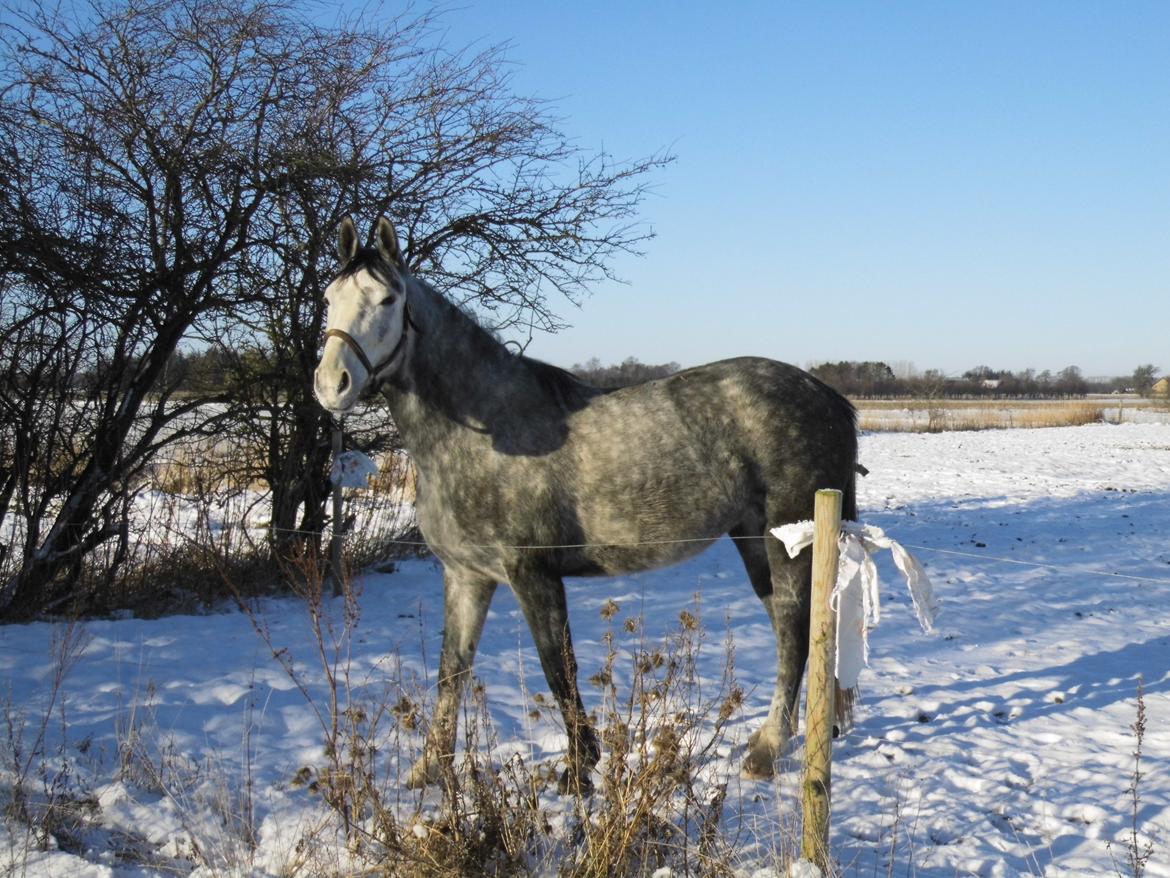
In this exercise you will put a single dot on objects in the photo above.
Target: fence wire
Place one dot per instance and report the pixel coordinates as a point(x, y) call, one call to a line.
point(1058, 568)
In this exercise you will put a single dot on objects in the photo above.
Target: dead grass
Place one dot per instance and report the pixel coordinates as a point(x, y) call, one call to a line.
point(205, 466)
point(937, 416)
point(200, 521)
point(396, 477)
point(44, 803)
point(661, 785)
point(659, 804)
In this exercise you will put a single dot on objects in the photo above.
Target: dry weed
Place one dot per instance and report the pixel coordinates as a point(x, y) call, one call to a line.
point(1138, 846)
point(937, 416)
point(660, 795)
point(45, 802)
point(201, 467)
point(396, 477)
point(659, 803)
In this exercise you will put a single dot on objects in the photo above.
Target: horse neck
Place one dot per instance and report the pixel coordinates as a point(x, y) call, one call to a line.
point(457, 380)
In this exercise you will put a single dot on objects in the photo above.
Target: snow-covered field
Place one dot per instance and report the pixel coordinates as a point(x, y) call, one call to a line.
point(1000, 745)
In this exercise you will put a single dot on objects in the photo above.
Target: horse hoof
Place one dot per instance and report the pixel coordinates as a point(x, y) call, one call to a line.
point(759, 766)
point(576, 785)
point(765, 746)
point(423, 773)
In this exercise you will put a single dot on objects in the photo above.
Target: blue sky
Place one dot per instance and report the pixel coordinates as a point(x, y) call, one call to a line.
point(941, 184)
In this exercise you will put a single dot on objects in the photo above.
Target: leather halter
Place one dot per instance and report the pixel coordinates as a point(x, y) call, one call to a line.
point(372, 369)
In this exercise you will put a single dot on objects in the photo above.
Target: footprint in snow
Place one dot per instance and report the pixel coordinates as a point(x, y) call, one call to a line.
point(927, 711)
point(944, 833)
point(1005, 715)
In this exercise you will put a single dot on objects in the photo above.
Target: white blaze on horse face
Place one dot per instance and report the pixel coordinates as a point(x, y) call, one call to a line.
point(371, 313)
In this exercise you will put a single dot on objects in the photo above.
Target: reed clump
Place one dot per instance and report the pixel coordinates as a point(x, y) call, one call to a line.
point(938, 416)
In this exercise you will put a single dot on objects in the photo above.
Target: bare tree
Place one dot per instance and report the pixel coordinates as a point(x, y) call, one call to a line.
point(1070, 382)
point(1143, 378)
point(135, 158)
point(630, 371)
point(176, 170)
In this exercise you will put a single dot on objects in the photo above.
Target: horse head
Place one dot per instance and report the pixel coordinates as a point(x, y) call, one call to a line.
point(368, 321)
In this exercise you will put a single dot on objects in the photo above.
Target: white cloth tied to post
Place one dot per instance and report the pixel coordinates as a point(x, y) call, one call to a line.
point(855, 595)
point(352, 469)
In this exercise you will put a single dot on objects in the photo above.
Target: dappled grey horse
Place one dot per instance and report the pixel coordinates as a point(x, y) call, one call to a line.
point(527, 475)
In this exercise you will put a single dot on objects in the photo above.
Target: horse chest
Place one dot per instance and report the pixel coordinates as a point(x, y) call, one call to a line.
point(472, 514)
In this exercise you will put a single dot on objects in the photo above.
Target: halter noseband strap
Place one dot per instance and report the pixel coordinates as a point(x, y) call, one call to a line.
point(371, 369)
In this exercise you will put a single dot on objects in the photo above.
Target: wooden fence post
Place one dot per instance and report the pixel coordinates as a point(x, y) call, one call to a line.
point(338, 535)
point(818, 746)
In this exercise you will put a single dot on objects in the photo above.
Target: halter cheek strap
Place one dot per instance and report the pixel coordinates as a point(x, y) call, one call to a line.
point(373, 369)
point(352, 344)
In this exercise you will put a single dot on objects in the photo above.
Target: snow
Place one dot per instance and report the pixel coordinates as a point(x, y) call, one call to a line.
point(999, 745)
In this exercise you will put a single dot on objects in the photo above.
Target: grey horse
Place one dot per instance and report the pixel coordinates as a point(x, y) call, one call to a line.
point(527, 475)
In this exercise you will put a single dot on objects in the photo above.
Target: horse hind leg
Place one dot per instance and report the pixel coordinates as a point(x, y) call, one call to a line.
point(782, 584)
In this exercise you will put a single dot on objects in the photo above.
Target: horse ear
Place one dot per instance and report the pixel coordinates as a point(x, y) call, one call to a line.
point(347, 240)
point(387, 241)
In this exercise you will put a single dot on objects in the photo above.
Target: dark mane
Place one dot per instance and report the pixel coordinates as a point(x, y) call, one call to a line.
point(369, 259)
point(570, 392)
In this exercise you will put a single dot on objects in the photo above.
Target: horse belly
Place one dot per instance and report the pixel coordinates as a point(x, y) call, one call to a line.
point(612, 560)
point(654, 512)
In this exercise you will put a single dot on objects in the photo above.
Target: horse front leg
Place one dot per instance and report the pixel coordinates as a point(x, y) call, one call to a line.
point(466, 598)
point(542, 599)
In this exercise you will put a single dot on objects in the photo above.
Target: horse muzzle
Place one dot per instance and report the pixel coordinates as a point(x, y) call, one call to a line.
point(335, 384)
point(334, 381)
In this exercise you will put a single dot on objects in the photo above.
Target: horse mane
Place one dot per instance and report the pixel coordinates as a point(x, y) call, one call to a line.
point(566, 389)
point(369, 259)
point(570, 392)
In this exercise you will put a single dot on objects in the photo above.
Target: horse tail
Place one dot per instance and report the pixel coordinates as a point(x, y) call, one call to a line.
point(845, 700)
point(849, 494)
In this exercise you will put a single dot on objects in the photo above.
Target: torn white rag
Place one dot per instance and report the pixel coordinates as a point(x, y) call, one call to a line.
point(855, 595)
point(352, 469)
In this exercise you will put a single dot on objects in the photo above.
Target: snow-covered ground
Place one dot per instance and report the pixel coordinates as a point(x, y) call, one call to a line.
point(1000, 745)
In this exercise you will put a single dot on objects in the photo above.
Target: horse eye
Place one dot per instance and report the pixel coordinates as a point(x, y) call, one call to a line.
point(389, 300)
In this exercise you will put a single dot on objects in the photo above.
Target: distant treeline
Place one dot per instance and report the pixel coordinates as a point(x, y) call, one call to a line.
point(207, 371)
point(875, 379)
point(213, 370)
point(629, 371)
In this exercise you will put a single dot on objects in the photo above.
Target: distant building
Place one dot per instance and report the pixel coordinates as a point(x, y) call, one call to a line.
point(1161, 387)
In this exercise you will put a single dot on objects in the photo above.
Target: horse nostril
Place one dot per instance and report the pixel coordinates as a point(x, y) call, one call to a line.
point(343, 384)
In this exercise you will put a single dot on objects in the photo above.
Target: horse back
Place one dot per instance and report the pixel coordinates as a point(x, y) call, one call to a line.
point(640, 477)
point(693, 455)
